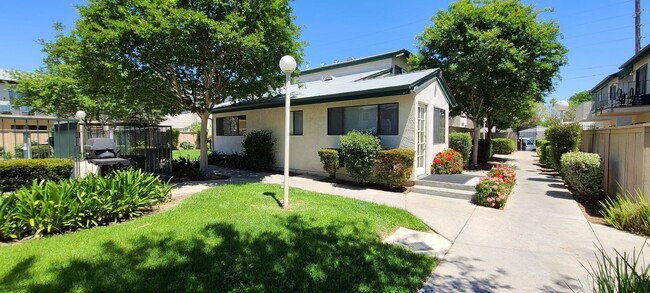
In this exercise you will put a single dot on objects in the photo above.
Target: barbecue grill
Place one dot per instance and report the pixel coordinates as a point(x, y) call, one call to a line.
point(103, 153)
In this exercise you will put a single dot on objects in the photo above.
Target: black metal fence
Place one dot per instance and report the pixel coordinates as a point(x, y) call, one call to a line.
point(622, 94)
point(148, 147)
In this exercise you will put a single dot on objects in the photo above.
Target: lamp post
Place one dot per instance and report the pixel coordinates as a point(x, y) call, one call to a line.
point(81, 115)
point(561, 106)
point(287, 65)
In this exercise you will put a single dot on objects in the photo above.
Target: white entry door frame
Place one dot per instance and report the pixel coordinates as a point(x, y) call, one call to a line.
point(421, 140)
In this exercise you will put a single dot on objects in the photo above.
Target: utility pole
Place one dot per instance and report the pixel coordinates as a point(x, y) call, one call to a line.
point(637, 26)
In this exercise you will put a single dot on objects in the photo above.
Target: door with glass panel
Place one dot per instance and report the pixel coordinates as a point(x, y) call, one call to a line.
point(421, 139)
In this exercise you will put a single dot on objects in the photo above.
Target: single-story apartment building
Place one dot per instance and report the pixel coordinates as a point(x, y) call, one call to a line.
point(377, 93)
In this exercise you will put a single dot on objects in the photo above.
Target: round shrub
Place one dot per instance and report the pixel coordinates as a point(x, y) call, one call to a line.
point(503, 146)
point(258, 149)
point(330, 160)
point(583, 172)
point(447, 162)
point(394, 167)
point(462, 143)
point(186, 145)
point(359, 150)
point(491, 192)
point(494, 189)
point(563, 139)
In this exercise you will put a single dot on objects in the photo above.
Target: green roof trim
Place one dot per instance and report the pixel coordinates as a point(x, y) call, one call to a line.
point(349, 96)
point(356, 61)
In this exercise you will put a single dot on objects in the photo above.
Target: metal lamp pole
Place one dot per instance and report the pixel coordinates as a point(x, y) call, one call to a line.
point(288, 65)
point(81, 115)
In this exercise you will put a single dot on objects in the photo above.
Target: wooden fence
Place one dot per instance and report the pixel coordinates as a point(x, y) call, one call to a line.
point(625, 152)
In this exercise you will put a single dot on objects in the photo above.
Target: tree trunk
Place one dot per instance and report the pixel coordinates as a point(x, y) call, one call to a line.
point(475, 144)
point(203, 140)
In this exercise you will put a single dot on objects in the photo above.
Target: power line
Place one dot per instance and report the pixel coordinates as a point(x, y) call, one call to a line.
point(600, 7)
point(585, 76)
point(590, 68)
point(598, 32)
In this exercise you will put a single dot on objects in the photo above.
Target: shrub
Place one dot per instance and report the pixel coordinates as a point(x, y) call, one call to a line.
point(187, 168)
point(548, 160)
point(503, 146)
point(621, 273)
point(583, 172)
point(39, 151)
point(541, 147)
point(258, 149)
point(494, 189)
point(623, 213)
point(20, 172)
point(485, 151)
point(563, 139)
point(359, 150)
point(234, 160)
point(175, 135)
point(186, 145)
point(461, 142)
point(47, 207)
point(330, 160)
point(448, 161)
point(394, 167)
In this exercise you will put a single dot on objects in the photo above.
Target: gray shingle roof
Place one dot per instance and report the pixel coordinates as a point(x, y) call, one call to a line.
point(4, 76)
point(348, 87)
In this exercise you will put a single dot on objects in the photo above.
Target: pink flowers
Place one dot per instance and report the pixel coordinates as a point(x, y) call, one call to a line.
point(493, 190)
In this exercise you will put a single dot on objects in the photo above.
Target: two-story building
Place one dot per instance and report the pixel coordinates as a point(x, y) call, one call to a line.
point(621, 107)
point(25, 134)
point(377, 94)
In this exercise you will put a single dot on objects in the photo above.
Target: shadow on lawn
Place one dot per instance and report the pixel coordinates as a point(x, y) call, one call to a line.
point(334, 258)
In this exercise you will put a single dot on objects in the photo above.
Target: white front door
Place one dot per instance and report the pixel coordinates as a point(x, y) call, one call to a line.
point(421, 145)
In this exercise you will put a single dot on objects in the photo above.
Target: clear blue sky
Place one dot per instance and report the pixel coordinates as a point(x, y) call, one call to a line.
point(598, 33)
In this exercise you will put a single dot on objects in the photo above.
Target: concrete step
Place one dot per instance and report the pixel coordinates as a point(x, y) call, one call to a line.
point(447, 185)
point(445, 192)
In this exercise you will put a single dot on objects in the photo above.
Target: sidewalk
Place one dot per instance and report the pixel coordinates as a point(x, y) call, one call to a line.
point(538, 243)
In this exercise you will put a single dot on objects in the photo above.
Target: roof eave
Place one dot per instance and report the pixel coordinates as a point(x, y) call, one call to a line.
point(347, 96)
point(356, 61)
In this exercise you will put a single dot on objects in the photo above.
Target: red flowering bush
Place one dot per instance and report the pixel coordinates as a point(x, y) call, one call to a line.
point(493, 190)
point(448, 162)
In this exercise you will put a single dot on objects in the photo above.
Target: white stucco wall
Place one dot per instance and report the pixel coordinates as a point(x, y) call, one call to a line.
point(303, 152)
point(432, 96)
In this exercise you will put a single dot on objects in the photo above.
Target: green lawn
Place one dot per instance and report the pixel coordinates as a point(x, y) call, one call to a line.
point(193, 154)
point(231, 238)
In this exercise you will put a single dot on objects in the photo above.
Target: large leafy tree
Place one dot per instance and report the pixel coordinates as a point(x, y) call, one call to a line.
point(497, 56)
point(187, 54)
point(60, 88)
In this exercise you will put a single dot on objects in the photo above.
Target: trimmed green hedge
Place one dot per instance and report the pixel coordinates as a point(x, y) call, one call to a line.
point(462, 143)
point(540, 145)
point(503, 146)
point(330, 160)
point(583, 172)
point(564, 138)
point(17, 173)
point(394, 167)
point(359, 150)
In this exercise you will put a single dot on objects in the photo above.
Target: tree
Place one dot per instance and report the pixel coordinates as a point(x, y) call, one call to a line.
point(496, 56)
point(187, 54)
point(58, 88)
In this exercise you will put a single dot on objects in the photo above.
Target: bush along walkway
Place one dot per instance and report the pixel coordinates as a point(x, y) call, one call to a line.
point(539, 242)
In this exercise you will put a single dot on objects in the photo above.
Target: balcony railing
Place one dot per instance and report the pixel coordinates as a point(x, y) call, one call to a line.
point(623, 94)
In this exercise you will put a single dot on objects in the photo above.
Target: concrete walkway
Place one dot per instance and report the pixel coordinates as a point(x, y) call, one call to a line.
point(540, 242)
